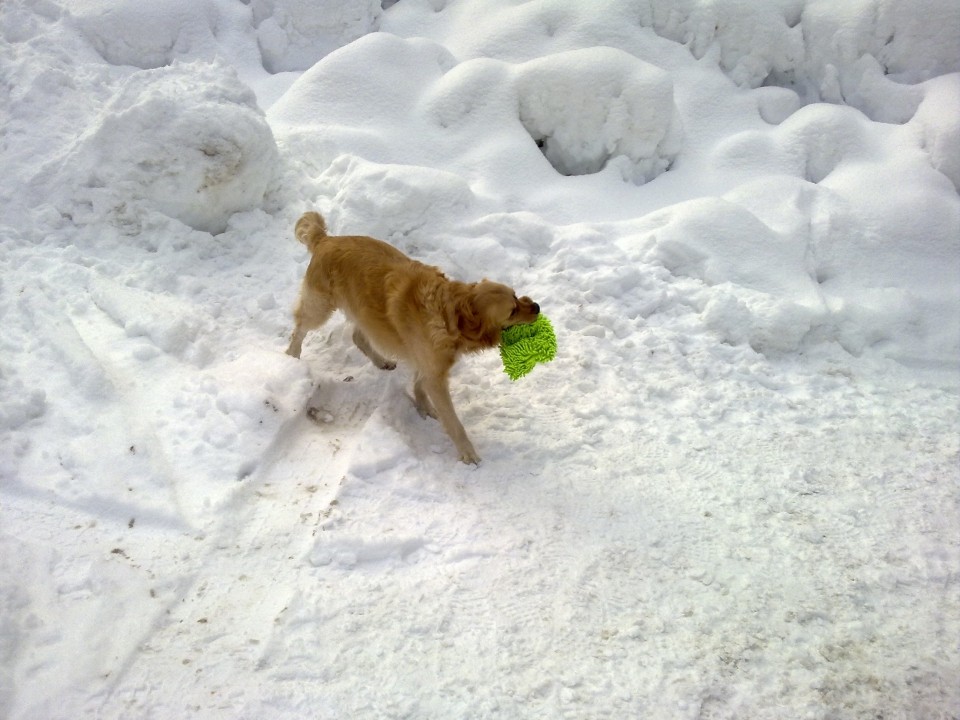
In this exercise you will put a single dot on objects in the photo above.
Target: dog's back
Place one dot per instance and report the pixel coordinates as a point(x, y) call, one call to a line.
point(372, 282)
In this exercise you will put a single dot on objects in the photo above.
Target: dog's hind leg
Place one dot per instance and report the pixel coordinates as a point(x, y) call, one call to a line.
point(361, 341)
point(313, 310)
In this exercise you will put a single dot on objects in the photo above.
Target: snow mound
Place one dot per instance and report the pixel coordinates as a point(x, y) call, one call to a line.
point(295, 34)
point(716, 241)
point(749, 41)
point(586, 107)
point(939, 125)
point(188, 140)
point(910, 42)
point(868, 54)
point(584, 110)
point(332, 93)
point(177, 28)
point(860, 53)
point(766, 295)
point(391, 201)
point(820, 139)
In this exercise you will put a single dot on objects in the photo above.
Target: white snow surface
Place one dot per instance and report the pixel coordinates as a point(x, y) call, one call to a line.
point(735, 493)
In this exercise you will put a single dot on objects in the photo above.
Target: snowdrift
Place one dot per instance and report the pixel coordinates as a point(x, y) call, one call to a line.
point(187, 140)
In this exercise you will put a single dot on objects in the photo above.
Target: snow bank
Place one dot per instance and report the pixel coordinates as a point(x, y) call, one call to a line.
point(584, 109)
point(938, 125)
point(749, 41)
point(295, 34)
point(187, 140)
point(860, 53)
point(911, 43)
point(288, 34)
point(815, 239)
point(129, 33)
point(866, 53)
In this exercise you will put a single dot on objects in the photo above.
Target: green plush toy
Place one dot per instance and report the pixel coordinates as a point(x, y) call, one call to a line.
point(523, 346)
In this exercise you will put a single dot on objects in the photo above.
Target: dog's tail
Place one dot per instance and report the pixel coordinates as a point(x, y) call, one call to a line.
point(311, 229)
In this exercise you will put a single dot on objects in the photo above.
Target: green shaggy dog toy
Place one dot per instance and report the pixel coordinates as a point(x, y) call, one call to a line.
point(523, 346)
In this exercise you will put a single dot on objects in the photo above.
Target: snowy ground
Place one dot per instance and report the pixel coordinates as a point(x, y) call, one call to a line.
point(734, 494)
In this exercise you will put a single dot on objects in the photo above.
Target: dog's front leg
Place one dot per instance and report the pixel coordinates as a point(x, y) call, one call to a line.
point(437, 390)
point(421, 400)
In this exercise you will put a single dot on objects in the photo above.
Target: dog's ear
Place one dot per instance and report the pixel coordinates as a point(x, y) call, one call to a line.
point(469, 322)
point(472, 323)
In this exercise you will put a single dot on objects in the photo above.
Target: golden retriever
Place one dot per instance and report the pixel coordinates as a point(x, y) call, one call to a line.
point(402, 309)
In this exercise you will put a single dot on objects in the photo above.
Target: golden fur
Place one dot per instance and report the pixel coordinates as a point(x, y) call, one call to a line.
point(402, 309)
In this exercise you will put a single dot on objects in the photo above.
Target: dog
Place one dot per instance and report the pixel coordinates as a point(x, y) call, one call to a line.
point(403, 310)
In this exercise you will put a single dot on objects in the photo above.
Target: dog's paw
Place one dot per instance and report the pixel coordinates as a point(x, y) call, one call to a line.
point(469, 456)
point(425, 409)
point(387, 365)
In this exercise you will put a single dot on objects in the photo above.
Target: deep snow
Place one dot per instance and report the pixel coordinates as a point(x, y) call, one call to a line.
point(734, 493)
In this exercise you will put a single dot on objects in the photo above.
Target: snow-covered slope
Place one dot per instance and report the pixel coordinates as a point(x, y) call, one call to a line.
point(735, 491)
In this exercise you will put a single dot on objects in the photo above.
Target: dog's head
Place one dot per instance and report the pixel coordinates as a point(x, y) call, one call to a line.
point(488, 307)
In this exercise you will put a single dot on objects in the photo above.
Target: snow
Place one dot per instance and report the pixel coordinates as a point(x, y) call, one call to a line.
point(734, 493)
point(294, 34)
point(187, 139)
point(624, 110)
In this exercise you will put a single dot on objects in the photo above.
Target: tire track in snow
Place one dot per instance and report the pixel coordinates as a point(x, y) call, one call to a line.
point(242, 581)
